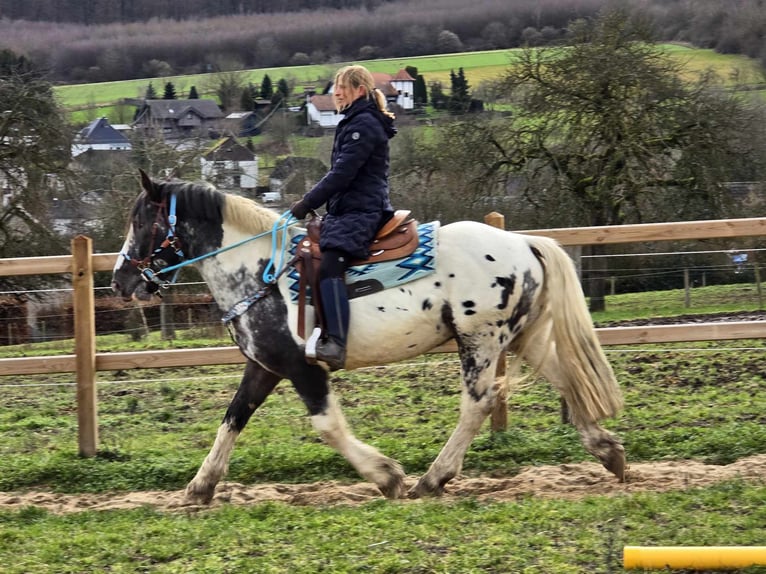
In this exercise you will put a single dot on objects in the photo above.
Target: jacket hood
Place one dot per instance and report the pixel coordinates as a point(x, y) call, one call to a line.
point(363, 104)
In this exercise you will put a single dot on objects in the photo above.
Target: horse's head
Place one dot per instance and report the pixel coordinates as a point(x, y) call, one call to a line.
point(150, 243)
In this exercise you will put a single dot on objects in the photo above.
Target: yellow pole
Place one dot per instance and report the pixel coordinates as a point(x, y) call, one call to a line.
point(693, 557)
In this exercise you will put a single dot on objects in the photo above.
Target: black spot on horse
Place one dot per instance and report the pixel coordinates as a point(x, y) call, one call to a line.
point(427, 305)
point(524, 306)
point(508, 284)
point(488, 257)
point(382, 309)
point(469, 304)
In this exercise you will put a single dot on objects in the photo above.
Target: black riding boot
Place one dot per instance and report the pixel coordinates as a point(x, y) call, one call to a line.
point(331, 348)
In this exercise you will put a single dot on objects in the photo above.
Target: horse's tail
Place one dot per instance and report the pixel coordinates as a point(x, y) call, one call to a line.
point(585, 378)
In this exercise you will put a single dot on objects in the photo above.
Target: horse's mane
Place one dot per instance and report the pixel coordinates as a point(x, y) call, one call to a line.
point(204, 198)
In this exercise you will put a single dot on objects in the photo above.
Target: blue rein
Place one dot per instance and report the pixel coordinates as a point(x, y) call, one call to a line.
point(270, 274)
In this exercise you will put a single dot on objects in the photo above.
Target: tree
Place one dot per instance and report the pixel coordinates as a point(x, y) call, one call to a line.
point(419, 91)
point(249, 95)
point(193, 95)
point(228, 87)
point(609, 129)
point(170, 92)
point(267, 88)
point(151, 93)
point(448, 42)
point(34, 155)
point(283, 91)
point(438, 99)
point(460, 97)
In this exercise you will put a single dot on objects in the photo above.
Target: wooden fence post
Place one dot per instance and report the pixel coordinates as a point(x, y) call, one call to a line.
point(499, 415)
point(85, 344)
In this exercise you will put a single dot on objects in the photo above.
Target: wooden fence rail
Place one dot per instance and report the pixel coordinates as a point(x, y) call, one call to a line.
point(82, 264)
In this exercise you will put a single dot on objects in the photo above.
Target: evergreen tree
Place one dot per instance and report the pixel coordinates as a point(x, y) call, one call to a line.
point(438, 99)
point(151, 93)
point(460, 98)
point(419, 91)
point(170, 92)
point(193, 95)
point(267, 88)
point(283, 91)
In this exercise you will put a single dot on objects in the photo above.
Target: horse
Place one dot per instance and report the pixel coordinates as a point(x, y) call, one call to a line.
point(492, 291)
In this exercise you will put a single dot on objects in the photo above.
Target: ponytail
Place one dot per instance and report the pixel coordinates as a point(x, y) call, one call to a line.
point(380, 99)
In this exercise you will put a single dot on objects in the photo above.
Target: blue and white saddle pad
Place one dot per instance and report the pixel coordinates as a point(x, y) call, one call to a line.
point(373, 277)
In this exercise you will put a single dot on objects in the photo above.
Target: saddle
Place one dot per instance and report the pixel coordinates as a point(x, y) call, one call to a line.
point(396, 239)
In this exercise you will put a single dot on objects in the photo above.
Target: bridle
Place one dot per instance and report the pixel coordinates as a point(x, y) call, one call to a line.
point(167, 255)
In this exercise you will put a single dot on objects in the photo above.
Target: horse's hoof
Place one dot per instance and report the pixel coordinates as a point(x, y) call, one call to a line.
point(393, 490)
point(422, 489)
point(615, 462)
point(195, 494)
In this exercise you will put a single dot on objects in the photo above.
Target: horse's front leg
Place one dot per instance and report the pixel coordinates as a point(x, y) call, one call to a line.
point(477, 400)
point(257, 383)
point(328, 420)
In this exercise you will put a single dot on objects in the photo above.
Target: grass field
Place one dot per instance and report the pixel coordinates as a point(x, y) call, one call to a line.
point(478, 67)
point(704, 401)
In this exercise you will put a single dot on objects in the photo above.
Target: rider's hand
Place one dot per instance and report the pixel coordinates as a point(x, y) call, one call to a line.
point(299, 210)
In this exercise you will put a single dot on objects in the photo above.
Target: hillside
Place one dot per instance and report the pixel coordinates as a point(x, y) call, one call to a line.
point(114, 41)
point(93, 100)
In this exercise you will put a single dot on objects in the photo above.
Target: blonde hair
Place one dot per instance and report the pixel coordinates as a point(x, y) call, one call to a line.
point(358, 76)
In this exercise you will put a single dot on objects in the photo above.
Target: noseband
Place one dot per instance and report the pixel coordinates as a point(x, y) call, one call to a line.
point(169, 252)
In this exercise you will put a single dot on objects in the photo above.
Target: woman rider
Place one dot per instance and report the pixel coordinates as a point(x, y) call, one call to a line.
point(355, 191)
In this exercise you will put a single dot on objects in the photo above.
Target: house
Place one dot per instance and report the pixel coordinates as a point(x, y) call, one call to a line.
point(400, 86)
point(229, 165)
point(320, 110)
point(176, 119)
point(99, 135)
point(398, 90)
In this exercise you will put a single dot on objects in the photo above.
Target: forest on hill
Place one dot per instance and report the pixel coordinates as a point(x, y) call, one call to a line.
point(82, 41)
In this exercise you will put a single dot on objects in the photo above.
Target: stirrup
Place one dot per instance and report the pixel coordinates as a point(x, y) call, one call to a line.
point(311, 346)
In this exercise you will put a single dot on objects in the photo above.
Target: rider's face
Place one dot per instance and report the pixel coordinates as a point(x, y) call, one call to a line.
point(344, 95)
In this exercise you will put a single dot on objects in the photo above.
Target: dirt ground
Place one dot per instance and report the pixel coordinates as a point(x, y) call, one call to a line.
point(566, 481)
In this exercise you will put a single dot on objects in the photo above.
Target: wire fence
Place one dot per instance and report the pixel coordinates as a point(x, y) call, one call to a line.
point(36, 315)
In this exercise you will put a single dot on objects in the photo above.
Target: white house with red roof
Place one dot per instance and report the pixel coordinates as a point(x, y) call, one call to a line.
point(397, 88)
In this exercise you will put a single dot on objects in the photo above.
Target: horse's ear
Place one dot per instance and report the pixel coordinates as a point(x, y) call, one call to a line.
point(149, 185)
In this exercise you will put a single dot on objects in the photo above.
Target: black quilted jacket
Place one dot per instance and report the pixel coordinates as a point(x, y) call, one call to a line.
point(355, 190)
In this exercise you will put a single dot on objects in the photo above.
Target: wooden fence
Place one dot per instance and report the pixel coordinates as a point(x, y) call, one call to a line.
point(85, 362)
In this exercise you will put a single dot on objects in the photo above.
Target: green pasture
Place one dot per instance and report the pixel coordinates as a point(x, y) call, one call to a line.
point(701, 401)
point(102, 98)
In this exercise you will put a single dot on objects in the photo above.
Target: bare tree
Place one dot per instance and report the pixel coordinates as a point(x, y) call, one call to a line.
point(34, 154)
point(609, 126)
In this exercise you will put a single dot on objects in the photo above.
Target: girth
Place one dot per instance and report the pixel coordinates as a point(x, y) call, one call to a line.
point(396, 239)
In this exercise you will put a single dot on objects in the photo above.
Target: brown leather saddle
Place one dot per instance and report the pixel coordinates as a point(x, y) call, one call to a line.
point(396, 239)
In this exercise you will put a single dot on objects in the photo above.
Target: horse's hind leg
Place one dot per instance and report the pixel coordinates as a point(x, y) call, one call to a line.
point(598, 441)
point(477, 400)
point(257, 383)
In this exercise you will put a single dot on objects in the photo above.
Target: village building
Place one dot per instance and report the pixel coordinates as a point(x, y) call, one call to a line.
point(177, 119)
point(230, 166)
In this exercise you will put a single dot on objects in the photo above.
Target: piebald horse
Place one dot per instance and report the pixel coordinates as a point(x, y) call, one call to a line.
point(491, 291)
